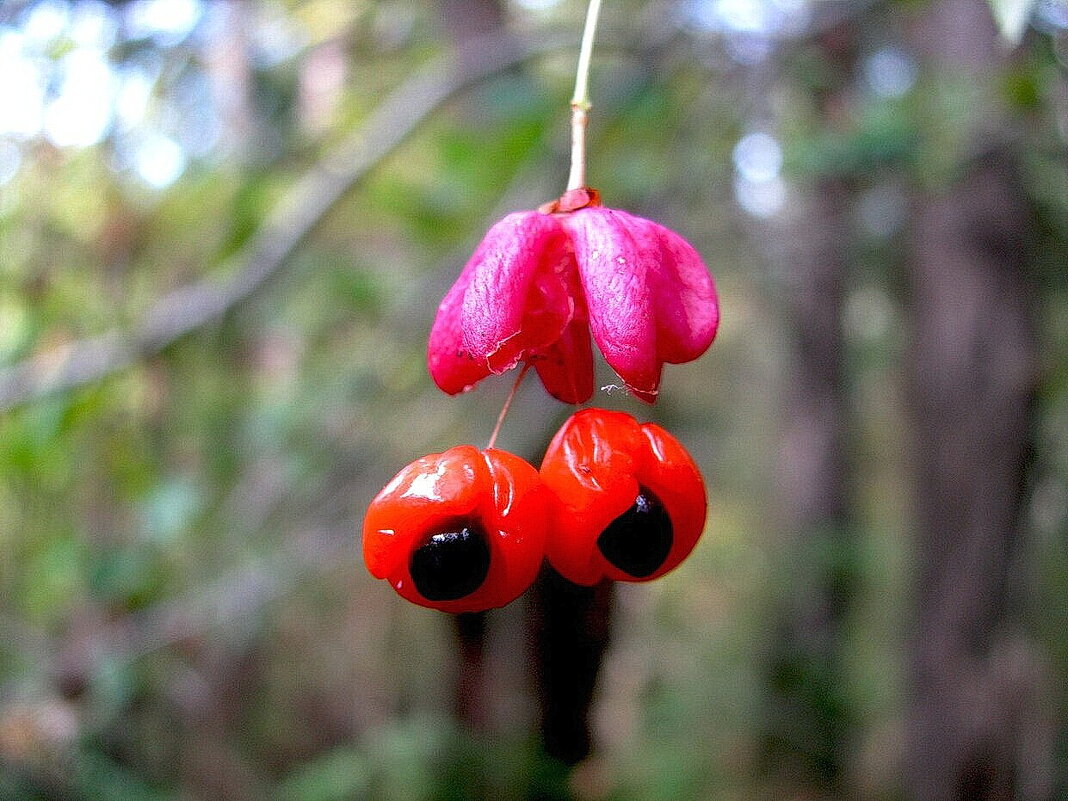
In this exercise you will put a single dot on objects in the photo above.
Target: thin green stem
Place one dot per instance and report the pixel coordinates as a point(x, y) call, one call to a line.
point(580, 101)
point(582, 75)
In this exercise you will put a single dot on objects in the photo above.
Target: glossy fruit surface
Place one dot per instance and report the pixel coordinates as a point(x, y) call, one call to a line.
point(631, 500)
point(459, 531)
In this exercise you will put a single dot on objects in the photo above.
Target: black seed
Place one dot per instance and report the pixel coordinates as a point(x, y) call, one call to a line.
point(639, 540)
point(451, 564)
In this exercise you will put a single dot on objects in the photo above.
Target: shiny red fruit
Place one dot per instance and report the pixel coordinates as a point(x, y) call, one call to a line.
point(459, 531)
point(631, 501)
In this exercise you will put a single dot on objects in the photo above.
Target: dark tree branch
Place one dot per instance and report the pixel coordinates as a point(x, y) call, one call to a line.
point(572, 628)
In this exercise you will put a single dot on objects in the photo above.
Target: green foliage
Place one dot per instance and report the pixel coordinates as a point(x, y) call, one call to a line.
point(334, 776)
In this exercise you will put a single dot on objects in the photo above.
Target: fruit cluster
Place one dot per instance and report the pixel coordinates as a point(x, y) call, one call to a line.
point(467, 530)
point(615, 499)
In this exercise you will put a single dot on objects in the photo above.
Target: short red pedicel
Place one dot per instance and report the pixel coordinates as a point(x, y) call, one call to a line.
point(459, 531)
point(632, 501)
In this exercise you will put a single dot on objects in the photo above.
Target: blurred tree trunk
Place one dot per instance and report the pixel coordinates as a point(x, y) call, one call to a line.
point(228, 65)
point(974, 364)
point(807, 723)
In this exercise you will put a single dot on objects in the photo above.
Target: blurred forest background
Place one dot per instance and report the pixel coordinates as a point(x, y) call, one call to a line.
point(224, 230)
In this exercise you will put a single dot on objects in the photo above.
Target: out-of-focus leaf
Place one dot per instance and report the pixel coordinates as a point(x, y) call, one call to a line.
point(169, 508)
point(53, 577)
point(127, 576)
point(335, 776)
point(100, 777)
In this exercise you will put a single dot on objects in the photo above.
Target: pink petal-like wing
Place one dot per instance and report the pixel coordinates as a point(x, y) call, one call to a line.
point(505, 310)
point(451, 366)
point(684, 294)
point(614, 262)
